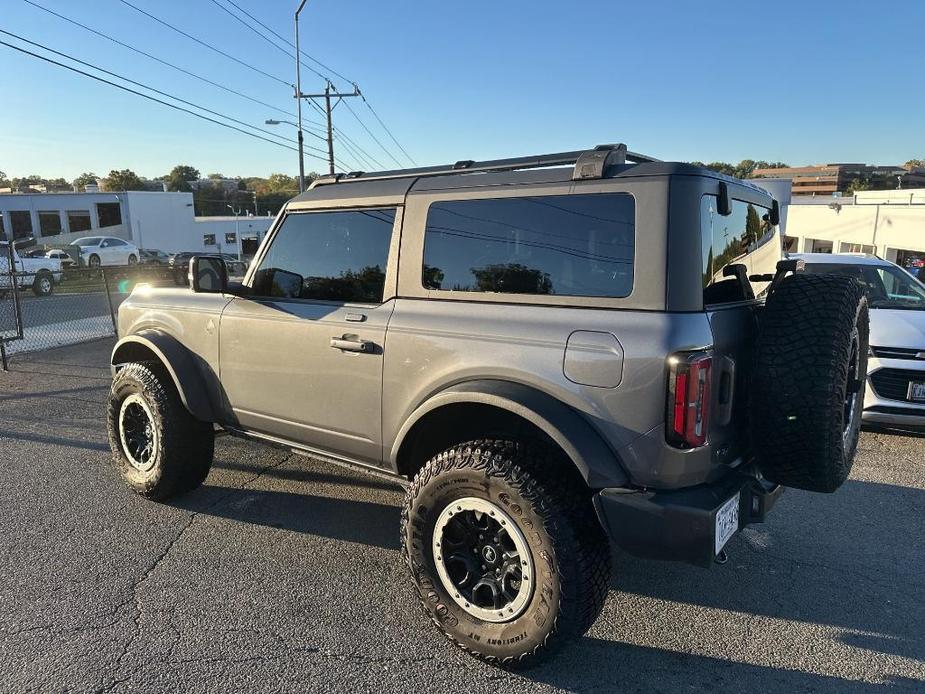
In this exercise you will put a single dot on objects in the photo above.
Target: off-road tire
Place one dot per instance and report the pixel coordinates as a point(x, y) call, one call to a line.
point(553, 510)
point(185, 445)
point(43, 284)
point(801, 381)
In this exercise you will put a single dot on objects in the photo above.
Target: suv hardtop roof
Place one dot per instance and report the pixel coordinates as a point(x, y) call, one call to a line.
point(602, 162)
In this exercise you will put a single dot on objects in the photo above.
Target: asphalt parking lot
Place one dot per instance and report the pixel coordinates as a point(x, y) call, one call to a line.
point(282, 574)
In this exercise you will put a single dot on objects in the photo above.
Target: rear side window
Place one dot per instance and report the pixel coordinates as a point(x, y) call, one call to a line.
point(573, 245)
point(328, 256)
point(745, 237)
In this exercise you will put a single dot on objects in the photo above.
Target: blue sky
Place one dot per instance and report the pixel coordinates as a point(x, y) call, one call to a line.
point(803, 82)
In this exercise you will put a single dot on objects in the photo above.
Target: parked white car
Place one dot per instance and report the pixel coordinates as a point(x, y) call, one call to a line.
point(96, 251)
point(41, 274)
point(896, 363)
point(66, 260)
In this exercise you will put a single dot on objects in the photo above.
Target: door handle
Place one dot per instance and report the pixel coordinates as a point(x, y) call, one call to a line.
point(352, 345)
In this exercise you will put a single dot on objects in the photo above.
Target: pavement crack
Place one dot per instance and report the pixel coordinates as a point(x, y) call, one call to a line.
point(133, 599)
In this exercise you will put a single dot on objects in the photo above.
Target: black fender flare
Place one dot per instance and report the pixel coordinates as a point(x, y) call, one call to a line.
point(179, 362)
point(597, 462)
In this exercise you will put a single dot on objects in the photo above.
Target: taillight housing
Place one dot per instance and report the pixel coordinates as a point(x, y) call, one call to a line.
point(688, 411)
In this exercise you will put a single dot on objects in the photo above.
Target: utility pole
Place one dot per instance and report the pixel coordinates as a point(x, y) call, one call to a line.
point(327, 95)
point(298, 93)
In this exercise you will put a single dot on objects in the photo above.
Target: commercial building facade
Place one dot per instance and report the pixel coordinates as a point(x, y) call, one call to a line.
point(888, 223)
point(826, 180)
point(164, 221)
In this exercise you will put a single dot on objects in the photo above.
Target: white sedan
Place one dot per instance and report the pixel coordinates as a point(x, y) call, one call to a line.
point(96, 251)
point(896, 365)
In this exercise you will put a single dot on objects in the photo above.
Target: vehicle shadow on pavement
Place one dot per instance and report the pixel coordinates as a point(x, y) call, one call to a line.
point(847, 561)
point(54, 440)
point(362, 522)
point(623, 667)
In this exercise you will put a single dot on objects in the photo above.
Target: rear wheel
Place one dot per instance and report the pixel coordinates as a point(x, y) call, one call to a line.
point(43, 285)
point(810, 376)
point(504, 548)
point(158, 447)
point(94, 261)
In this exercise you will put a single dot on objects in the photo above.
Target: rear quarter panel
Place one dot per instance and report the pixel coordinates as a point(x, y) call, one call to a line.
point(432, 345)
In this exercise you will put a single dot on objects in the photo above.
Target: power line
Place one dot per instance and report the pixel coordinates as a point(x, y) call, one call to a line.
point(308, 67)
point(150, 98)
point(340, 133)
point(364, 164)
point(145, 86)
point(155, 58)
point(398, 144)
point(265, 38)
point(291, 45)
point(375, 139)
point(343, 135)
point(205, 44)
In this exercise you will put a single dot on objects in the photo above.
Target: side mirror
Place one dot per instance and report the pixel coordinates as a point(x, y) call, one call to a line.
point(208, 274)
point(724, 204)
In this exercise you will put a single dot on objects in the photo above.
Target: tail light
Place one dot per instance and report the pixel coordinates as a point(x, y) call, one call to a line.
point(688, 412)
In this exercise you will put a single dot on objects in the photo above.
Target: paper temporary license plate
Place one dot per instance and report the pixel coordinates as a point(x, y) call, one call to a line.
point(917, 391)
point(727, 523)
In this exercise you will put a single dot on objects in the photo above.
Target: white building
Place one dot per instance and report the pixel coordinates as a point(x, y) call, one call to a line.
point(889, 223)
point(156, 220)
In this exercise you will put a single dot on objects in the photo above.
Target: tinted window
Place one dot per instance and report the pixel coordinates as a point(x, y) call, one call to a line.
point(886, 286)
point(576, 245)
point(744, 237)
point(109, 213)
point(334, 256)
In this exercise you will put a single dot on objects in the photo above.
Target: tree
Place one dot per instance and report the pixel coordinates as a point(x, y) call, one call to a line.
point(745, 168)
point(184, 171)
point(752, 225)
point(857, 185)
point(513, 278)
point(85, 179)
point(178, 180)
point(915, 164)
point(126, 179)
point(215, 176)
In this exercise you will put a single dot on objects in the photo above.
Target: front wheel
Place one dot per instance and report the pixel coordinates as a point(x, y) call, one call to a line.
point(132, 260)
point(504, 549)
point(94, 261)
point(158, 447)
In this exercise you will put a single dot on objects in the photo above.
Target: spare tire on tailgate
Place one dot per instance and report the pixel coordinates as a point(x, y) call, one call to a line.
point(807, 392)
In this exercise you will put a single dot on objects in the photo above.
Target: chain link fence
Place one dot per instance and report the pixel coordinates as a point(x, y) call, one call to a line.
point(82, 306)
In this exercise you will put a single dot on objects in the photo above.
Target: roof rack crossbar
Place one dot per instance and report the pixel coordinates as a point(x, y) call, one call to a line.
point(603, 154)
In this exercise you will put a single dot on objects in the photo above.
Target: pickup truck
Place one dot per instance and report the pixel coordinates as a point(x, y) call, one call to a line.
point(42, 274)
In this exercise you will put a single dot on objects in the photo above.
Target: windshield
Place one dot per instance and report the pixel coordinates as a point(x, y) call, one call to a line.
point(887, 286)
point(91, 241)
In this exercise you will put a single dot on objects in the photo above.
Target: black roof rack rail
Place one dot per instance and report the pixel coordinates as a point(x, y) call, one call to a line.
point(588, 164)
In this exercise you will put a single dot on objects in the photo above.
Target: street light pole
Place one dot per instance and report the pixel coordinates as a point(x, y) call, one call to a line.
point(237, 236)
point(298, 98)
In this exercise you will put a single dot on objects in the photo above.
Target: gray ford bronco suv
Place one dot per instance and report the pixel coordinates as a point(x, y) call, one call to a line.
point(554, 354)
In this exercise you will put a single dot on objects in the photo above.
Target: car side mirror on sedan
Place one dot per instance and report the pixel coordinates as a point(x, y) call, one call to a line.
point(208, 274)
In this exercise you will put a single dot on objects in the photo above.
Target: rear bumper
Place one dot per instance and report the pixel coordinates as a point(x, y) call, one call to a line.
point(681, 525)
